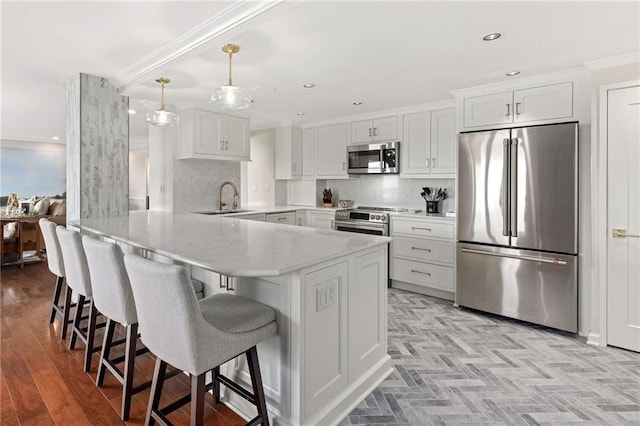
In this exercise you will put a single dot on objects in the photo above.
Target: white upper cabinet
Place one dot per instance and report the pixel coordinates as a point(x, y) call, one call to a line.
point(309, 153)
point(549, 102)
point(288, 153)
point(209, 135)
point(332, 151)
point(488, 110)
point(542, 103)
point(443, 141)
point(429, 144)
point(380, 129)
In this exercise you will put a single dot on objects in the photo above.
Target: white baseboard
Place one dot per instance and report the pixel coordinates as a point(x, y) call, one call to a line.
point(442, 294)
point(594, 339)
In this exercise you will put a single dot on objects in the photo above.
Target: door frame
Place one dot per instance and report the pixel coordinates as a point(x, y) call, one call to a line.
point(599, 249)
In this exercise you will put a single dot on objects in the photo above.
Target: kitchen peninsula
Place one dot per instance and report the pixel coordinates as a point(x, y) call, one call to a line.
point(329, 289)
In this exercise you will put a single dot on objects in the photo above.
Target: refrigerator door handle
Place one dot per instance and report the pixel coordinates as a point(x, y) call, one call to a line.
point(513, 186)
point(505, 186)
point(551, 260)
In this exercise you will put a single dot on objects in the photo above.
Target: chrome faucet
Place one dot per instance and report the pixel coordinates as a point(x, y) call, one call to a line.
point(236, 197)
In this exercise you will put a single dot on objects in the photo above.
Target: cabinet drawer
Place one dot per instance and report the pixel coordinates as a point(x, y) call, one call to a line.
point(422, 249)
point(424, 274)
point(422, 228)
point(288, 218)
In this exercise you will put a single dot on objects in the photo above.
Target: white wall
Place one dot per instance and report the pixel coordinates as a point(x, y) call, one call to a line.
point(138, 178)
point(259, 183)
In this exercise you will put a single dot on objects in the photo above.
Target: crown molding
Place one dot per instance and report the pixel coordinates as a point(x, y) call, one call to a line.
point(613, 61)
point(409, 109)
point(231, 17)
point(521, 83)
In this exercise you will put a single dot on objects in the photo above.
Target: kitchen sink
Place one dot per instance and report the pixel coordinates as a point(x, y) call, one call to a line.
point(230, 211)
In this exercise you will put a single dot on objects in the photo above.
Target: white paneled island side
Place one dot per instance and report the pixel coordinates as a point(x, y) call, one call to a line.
point(329, 290)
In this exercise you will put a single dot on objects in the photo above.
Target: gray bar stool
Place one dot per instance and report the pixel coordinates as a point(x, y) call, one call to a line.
point(113, 298)
point(56, 266)
point(78, 280)
point(196, 336)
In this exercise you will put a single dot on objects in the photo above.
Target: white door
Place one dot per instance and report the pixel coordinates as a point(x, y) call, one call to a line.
point(623, 227)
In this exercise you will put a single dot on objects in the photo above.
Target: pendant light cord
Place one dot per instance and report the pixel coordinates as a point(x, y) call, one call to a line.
point(230, 55)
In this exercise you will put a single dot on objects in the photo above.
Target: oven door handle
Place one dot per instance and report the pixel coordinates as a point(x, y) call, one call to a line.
point(382, 227)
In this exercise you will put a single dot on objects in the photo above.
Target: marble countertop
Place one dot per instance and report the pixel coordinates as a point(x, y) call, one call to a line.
point(230, 246)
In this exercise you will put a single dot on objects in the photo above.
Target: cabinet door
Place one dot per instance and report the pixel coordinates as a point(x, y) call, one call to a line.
point(296, 152)
point(385, 129)
point(543, 103)
point(321, 220)
point(236, 137)
point(332, 150)
point(488, 110)
point(207, 138)
point(361, 131)
point(414, 150)
point(443, 141)
point(309, 152)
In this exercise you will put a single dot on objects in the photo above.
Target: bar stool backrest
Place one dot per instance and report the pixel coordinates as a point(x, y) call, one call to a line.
point(54, 255)
point(170, 322)
point(75, 261)
point(112, 293)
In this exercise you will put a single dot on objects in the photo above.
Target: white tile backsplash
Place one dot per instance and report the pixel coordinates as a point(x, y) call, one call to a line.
point(385, 190)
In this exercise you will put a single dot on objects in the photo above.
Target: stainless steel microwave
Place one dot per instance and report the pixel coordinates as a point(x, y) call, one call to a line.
point(373, 158)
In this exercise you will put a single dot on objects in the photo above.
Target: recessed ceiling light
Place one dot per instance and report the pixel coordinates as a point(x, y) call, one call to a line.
point(491, 37)
point(308, 85)
point(131, 111)
point(357, 103)
point(299, 113)
point(512, 73)
point(56, 138)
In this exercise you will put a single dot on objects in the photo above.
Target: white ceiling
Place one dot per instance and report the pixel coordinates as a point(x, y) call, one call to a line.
point(386, 54)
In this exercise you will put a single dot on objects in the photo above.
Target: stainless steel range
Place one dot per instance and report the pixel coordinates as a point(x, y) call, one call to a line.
point(365, 220)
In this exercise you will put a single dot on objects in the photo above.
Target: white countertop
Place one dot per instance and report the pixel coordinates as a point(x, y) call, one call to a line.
point(232, 247)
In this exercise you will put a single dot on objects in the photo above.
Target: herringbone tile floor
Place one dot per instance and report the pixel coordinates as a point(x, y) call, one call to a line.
point(456, 366)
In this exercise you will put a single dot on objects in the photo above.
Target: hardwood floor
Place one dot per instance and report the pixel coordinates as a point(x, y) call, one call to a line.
point(42, 382)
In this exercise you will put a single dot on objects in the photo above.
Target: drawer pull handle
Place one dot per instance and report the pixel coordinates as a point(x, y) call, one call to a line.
point(420, 248)
point(413, 228)
point(415, 271)
point(282, 218)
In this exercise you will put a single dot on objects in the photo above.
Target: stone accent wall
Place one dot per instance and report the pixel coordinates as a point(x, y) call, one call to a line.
point(97, 149)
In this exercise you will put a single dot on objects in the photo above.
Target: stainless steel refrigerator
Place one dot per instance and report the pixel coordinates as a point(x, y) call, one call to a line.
point(517, 251)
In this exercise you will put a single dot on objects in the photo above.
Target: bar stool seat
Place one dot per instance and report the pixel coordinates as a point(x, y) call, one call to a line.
point(197, 337)
point(56, 266)
point(79, 281)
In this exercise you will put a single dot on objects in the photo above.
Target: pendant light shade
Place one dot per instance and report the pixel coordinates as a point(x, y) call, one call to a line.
point(231, 97)
point(161, 117)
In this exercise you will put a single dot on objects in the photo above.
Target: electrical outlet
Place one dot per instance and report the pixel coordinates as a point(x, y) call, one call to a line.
point(325, 296)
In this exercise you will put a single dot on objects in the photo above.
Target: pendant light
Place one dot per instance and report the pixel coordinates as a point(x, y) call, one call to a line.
point(231, 97)
point(161, 117)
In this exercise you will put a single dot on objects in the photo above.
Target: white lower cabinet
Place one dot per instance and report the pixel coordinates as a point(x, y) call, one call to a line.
point(259, 217)
point(301, 218)
point(320, 219)
point(422, 255)
point(286, 218)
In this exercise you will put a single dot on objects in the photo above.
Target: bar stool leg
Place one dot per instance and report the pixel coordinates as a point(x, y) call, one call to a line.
point(66, 313)
point(256, 382)
point(76, 322)
point(129, 367)
point(216, 384)
point(55, 303)
point(106, 349)
point(91, 332)
point(156, 390)
point(197, 399)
